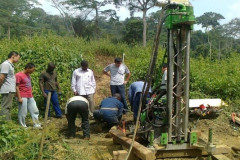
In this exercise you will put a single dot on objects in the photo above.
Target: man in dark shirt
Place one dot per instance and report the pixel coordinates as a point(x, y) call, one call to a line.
point(110, 111)
point(48, 83)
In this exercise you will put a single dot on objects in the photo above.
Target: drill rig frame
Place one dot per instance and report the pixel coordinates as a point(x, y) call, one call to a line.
point(173, 131)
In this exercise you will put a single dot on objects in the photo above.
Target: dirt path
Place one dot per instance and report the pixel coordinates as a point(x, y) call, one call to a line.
point(98, 147)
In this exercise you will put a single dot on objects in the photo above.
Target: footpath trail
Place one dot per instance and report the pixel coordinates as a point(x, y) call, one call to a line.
point(98, 147)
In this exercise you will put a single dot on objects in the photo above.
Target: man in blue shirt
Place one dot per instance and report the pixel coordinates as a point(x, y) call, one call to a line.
point(110, 111)
point(134, 95)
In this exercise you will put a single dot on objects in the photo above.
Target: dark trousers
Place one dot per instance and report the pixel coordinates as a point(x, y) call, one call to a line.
point(55, 103)
point(6, 105)
point(121, 90)
point(111, 120)
point(74, 108)
point(135, 104)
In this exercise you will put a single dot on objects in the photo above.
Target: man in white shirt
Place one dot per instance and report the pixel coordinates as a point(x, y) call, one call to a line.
point(83, 84)
point(163, 86)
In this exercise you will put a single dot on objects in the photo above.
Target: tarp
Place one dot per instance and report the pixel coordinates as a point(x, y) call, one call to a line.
point(211, 102)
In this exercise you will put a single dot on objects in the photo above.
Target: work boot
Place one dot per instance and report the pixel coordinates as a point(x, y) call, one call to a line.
point(60, 117)
point(71, 135)
point(99, 126)
point(86, 138)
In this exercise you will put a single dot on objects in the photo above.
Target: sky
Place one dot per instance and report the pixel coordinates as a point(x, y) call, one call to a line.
point(228, 8)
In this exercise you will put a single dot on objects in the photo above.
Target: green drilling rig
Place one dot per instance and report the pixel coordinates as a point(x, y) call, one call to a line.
point(165, 123)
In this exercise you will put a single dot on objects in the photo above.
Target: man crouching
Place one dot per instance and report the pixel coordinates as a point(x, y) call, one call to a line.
point(111, 110)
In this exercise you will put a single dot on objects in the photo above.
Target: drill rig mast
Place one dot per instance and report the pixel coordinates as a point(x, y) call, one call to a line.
point(179, 28)
point(173, 130)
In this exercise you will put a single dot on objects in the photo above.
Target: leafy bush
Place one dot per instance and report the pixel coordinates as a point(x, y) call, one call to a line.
point(138, 59)
point(64, 52)
point(18, 143)
point(208, 79)
point(216, 79)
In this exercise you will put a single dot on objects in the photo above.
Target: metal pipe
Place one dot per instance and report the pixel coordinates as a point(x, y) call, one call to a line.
point(186, 87)
point(210, 136)
point(170, 83)
point(210, 144)
point(151, 137)
point(178, 78)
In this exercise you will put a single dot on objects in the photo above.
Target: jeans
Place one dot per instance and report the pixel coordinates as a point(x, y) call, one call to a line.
point(55, 103)
point(91, 103)
point(121, 90)
point(111, 120)
point(6, 105)
point(74, 108)
point(135, 104)
point(30, 105)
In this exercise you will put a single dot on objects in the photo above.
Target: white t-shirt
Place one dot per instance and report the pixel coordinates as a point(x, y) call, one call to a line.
point(75, 98)
point(164, 80)
point(9, 84)
point(117, 73)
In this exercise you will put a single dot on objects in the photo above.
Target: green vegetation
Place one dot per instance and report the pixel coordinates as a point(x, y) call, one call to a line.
point(18, 143)
point(66, 40)
point(216, 79)
point(89, 20)
point(67, 53)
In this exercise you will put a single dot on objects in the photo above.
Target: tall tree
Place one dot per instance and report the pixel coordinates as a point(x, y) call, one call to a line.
point(64, 11)
point(152, 22)
point(36, 17)
point(12, 13)
point(143, 6)
point(133, 29)
point(87, 7)
point(209, 21)
point(233, 28)
point(198, 38)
